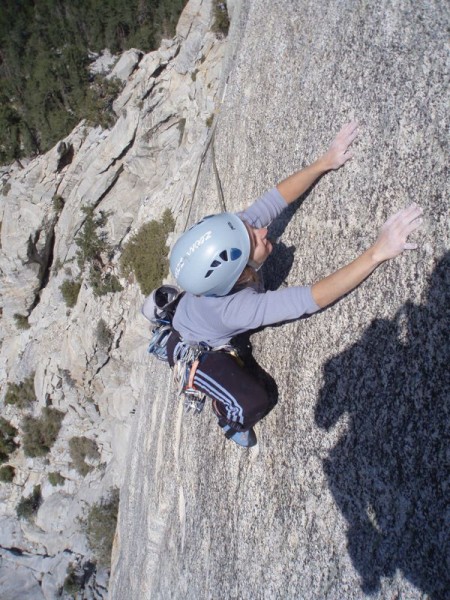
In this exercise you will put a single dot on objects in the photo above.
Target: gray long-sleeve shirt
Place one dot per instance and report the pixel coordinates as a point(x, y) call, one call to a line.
point(215, 320)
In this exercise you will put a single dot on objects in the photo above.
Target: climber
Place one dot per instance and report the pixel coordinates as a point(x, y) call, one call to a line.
point(217, 262)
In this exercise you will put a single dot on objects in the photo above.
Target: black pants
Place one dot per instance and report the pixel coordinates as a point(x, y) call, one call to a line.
point(241, 400)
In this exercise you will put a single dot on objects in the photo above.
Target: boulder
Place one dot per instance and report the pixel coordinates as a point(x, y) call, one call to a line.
point(126, 64)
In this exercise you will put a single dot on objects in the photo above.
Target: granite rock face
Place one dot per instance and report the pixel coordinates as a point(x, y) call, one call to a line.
point(345, 494)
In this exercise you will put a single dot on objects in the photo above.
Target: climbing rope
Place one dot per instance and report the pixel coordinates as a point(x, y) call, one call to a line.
point(209, 143)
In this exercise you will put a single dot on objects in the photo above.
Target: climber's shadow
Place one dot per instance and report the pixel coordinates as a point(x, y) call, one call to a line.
point(278, 265)
point(389, 473)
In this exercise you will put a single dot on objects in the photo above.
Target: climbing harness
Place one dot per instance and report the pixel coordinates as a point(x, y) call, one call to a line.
point(187, 358)
point(159, 308)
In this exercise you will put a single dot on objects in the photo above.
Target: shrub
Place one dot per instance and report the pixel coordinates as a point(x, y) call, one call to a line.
point(7, 474)
point(57, 265)
point(21, 321)
point(90, 243)
point(81, 448)
point(146, 253)
point(99, 101)
point(21, 394)
point(70, 290)
point(6, 188)
point(28, 507)
point(68, 379)
point(104, 334)
point(7, 444)
point(40, 434)
point(100, 527)
point(209, 121)
point(91, 246)
point(58, 203)
point(103, 283)
point(56, 478)
point(221, 23)
point(74, 580)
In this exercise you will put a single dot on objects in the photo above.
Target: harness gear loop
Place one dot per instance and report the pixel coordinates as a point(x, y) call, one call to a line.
point(192, 373)
point(187, 358)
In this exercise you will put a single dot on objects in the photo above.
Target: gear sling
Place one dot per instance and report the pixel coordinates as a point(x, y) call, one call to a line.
point(159, 308)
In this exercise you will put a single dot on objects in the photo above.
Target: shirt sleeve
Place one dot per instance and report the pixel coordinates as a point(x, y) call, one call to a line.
point(250, 310)
point(265, 209)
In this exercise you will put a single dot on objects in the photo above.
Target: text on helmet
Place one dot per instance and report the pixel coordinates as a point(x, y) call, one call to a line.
point(201, 240)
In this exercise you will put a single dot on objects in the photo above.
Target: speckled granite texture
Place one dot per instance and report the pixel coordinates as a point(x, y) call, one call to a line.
point(346, 495)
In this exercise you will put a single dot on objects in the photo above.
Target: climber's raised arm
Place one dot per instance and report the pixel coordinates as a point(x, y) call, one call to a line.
point(337, 155)
point(390, 243)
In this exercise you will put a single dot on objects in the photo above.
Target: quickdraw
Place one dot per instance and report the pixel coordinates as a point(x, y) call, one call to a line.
point(158, 342)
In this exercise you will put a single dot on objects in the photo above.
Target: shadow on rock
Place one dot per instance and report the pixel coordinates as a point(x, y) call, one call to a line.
point(277, 266)
point(389, 473)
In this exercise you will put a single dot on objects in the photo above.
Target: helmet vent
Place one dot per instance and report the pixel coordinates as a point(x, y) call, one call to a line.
point(224, 255)
point(200, 222)
point(215, 263)
point(235, 253)
point(210, 272)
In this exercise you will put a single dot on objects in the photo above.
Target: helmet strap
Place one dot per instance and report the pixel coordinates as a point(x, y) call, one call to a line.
point(254, 265)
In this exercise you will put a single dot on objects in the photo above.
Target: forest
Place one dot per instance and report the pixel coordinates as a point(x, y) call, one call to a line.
point(45, 84)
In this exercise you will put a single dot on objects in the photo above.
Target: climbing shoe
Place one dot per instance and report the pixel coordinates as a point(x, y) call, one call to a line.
point(246, 439)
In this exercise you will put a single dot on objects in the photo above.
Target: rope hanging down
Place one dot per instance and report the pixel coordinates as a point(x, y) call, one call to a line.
point(210, 142)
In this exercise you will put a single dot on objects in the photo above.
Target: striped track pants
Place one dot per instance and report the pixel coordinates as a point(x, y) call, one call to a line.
point(241, 400)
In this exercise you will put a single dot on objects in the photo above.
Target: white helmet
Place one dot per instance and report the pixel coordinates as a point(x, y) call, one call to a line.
point(208, 259)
